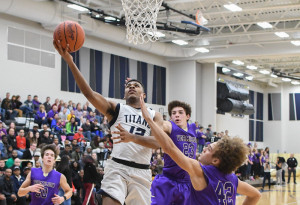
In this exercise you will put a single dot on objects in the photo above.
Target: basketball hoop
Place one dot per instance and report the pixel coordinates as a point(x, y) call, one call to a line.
point(141, 16)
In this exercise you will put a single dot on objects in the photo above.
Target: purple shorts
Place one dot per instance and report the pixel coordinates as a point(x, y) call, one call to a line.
point(166, 191)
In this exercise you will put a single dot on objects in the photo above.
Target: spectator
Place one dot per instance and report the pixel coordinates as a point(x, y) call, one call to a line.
point(41, 116)
point(95, 142)
point(8, 188)
point(91, 117)
point(71, 127)
point(87, 130)
point(76, 154)
point(36, 103)
point(88, 151)
point(56, 103)
point(64, 168)
point(201, 138)
point(75, 168)
point(21, 141)
point(79, 136)
point(267, 174)
point(26, 171)
point(78, 112)
point(47, 104)
point(37, 138)
point(278, 171)
point(64, 115)
point(15, 104)
point(2, 130)
point(90, 178)
point(105, 126)
point(29, 103)
point(17, 182)
point(96, 129)
point(30, 138)
point(2, 170)
point(46, 138)
point(79, 187)
point(51, 114)
point(7, 106)
point(29, 153)
point(292, 166)
point(5, 148)
point(284, 165)
point(66, 151)
point(10, 161)
point(107, 143)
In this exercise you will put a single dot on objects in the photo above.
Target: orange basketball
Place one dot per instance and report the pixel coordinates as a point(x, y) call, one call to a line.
point(69, 32)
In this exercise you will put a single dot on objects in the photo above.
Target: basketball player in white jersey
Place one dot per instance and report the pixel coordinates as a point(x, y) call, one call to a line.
point(127, 177)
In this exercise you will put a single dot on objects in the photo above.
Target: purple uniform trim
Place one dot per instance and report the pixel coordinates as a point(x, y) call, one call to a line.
point(221, 188)
point(51, 186)
point(173, 186)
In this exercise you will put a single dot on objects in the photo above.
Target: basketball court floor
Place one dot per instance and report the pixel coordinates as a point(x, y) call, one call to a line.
point(277, 195)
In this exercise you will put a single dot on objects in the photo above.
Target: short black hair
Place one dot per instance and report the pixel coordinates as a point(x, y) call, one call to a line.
point(135, 80)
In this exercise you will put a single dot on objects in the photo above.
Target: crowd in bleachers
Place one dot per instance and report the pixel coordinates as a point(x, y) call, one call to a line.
point(76, 130)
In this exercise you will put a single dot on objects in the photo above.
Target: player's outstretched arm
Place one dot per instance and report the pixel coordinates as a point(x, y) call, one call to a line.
point(252, 194)
point(190, 165)
point(100, 103)
point(25, 187)
point(68, 191)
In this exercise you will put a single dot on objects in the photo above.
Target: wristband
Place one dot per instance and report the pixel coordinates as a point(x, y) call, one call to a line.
point(65, 198)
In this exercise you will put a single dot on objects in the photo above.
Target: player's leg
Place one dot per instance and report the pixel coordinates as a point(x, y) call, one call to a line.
point(139, 187)
point(114, 185)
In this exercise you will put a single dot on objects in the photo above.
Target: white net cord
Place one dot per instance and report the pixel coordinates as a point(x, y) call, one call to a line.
point(141, 16)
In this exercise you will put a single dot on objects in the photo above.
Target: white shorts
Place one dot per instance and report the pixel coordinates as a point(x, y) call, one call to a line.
point(127, 184)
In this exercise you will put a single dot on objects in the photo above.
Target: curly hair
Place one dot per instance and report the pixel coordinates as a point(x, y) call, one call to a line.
point(231, 152)
point(49, 147)
point(187, 108)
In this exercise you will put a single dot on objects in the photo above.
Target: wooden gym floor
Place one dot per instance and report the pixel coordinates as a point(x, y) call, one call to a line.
point(278, 195)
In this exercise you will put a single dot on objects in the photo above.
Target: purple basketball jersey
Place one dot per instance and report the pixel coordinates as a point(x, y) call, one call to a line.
point(221, 188)
point(51, 186)
point(173, 187)
point(187, 144)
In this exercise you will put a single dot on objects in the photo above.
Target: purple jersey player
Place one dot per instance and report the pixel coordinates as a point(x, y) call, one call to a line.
point(43, 183)
point(212, 180)
point(173, 187)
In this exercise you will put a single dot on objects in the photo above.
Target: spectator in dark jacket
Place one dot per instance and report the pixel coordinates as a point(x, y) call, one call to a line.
point(90, 178)
point(292, 166)
point(8, 188)
point(18, 181)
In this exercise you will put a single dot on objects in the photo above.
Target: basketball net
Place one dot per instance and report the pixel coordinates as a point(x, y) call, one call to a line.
point(141, 16)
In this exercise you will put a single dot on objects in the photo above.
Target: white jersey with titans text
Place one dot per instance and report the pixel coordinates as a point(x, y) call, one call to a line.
point(132, 120)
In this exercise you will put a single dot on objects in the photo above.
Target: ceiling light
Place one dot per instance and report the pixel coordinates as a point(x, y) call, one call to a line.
point(157, 34)
point(286, 79)
point(282, 34)
point(296, 43)
point(295, 82)
point(249, 77)
point(237, 62)
point(233, 7)
point(264, 24)
point(264, 72)
point(180, 42)
point(202, 50)
point(251, 67)
point(109, 18)
point(77, 7)
point(225, 70)
point(97, 16)
point(274, 76)
point(238, 74)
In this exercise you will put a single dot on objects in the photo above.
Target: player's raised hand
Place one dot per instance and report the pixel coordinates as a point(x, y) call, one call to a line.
point(57, 199)
point(145, 112)
point(63, 52)
point(36, 188)
point(124, 135)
